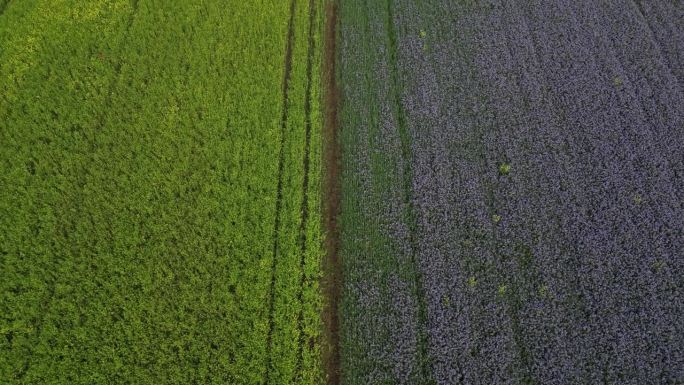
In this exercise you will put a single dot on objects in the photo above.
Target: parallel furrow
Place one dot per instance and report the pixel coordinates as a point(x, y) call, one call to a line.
point(279, 192)
point(305, 189)
point(422, 333)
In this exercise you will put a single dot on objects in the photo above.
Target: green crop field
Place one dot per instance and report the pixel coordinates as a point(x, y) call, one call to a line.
point(341, 192)
point(160, 192)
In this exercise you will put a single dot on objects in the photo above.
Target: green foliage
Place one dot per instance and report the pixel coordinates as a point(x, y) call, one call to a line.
point(657, 265)
point(446, 302)
point(544, 292)
point(617, 81)
point(377, 218)
point(502, 290)
point(504, 169)
point(137, 194)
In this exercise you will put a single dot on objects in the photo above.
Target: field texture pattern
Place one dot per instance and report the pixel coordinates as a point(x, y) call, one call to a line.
point(513, 179)
point(160, 192)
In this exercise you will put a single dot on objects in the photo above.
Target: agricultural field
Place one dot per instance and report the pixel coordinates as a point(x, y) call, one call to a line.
point(512, 184)
point(342, 192)
point(160, 192)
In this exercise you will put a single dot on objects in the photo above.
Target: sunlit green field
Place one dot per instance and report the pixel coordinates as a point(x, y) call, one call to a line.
point(160, 192)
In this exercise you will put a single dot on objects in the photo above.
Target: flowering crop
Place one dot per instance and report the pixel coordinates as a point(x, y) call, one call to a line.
point(514, 175)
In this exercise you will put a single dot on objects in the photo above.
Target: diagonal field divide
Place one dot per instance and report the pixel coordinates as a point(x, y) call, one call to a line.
point(332, 266)
point(305, 187)
point(279, 191)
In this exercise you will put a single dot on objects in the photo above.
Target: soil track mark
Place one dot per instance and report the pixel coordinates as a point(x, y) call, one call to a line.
point(279, 191)
point(332, 267)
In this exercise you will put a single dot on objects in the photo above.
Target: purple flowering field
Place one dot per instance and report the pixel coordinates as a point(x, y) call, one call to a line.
point(512, 191)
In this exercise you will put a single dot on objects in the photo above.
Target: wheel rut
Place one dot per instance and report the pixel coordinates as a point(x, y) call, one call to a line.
point(279, 191)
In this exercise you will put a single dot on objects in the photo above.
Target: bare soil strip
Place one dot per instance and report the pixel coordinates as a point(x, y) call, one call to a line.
point(332, 267)
point(279, 193)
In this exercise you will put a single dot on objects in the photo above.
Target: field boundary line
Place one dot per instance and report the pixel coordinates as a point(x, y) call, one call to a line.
point(279, 191)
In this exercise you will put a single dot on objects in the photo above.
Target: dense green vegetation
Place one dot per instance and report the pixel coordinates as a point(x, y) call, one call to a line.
point(159, 196)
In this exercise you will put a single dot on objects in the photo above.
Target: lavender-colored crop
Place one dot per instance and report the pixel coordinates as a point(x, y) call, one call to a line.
point(512, 192)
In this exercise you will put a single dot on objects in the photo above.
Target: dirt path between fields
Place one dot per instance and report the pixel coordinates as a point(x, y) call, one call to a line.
point(332, 269)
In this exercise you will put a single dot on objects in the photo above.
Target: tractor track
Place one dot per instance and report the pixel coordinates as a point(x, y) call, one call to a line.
point(279, 192)
point(406, 153)
point(305, 187)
